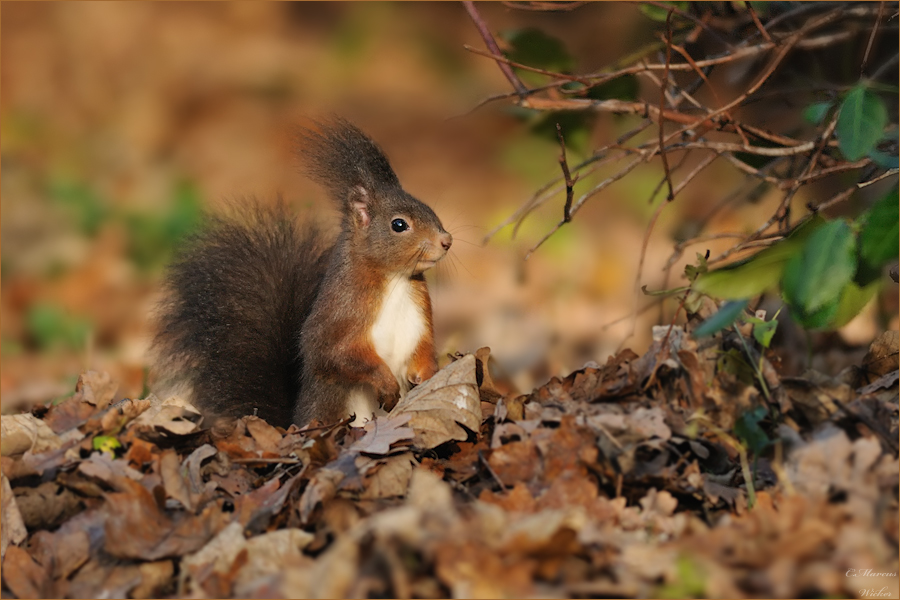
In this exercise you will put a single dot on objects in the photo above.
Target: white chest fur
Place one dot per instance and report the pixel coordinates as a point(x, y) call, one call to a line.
point(398, 327)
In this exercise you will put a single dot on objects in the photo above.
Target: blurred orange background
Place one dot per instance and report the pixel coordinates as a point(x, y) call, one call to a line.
point(121, 121)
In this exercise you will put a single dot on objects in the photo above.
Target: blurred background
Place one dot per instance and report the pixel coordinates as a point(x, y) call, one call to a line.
point(122, 122)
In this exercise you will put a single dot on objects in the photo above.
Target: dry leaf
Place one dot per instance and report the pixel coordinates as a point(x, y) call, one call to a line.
point(138, 529)
point(12, 526)
point(93, 393)
point(21, 433)
point(23, 576)
point(172, 415)
point(382, 433)
point(439, 405)
point(390, 479)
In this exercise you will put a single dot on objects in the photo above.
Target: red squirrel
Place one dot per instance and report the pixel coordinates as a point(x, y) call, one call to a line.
point(262, 315)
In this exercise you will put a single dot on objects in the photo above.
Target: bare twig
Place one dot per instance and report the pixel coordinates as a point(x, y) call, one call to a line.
point(487, 466)
point(885, 67)
point(545, 6)
point(756, 21)
point(604, 77)
point(684, 122)
point(865, 59)
point(697, 170)
point(841, 196)
point(596, 189)
point(491, 43)
point(803, 148)
point(570, 182)
point(700, 22)
point(548, 190)
point(662, 106)
point(640, 271)
point(504, 60)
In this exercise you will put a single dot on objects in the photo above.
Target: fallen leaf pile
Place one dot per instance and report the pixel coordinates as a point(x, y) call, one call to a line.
point(671, 474)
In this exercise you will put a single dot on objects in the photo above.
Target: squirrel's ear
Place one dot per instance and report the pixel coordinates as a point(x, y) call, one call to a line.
point(358, 202)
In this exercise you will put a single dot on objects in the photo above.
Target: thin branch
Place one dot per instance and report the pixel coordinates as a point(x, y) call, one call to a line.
point(640, 271)
point(545, 6)
point(502, 59)
point(549, 189)
point(570, 182)
point(758, 150)
point(841, 196)
point(865, 59)
point(684, 53)
point(887, 66)
point(697, 170)
point(700, 22)
point(541, 199)
point(491, 43)
point(756, 21)
point(584, 198)
point(662, 106)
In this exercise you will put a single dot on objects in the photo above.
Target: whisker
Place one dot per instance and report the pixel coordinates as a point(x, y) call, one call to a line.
point(456, 239)
point(458, 261)
point(462, 227)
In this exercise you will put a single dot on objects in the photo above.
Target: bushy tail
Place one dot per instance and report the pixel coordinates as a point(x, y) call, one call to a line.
point(228, 328)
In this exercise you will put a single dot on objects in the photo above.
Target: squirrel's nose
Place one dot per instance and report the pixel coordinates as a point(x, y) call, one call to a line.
point(446, 241)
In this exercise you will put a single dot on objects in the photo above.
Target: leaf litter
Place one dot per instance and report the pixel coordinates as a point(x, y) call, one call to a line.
point(676, 473)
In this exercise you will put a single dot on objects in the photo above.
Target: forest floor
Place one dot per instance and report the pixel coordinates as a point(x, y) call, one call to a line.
point(662, 475)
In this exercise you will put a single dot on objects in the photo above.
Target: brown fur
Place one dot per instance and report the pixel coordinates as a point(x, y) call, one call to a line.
point(265, 315)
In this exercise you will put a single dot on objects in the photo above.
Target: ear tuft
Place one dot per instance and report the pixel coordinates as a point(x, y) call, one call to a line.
point(342, 159)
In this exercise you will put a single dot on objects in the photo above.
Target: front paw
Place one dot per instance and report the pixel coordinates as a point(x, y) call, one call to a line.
point(388, 393)
point(417, 376)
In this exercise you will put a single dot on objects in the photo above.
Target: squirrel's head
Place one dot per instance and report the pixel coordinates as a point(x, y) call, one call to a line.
point(386, 226)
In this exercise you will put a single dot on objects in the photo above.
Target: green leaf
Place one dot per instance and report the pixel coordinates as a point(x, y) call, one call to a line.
point(816, 112)
point(761, 8)
point(764, 332)
point(692, 302)
point(747, 278)
point(663, 293)
point(853, 299)
point(734, 363)
point(88, 209)
point(885, 153)
point(747, 430)
point(690, 580)
point(691, 272)
point(620, 88)
point(535, 48)
point(50, 326)
point(151, 236)
point(657, 13)
point(727, 314)
point(821, 318)
point(106, 444)
point(815, 277)
point(760, 272)
point(878, 237)
point(884, 160)
point(860, 123)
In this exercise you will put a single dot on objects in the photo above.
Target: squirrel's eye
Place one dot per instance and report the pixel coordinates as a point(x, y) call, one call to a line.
point(399, 225)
